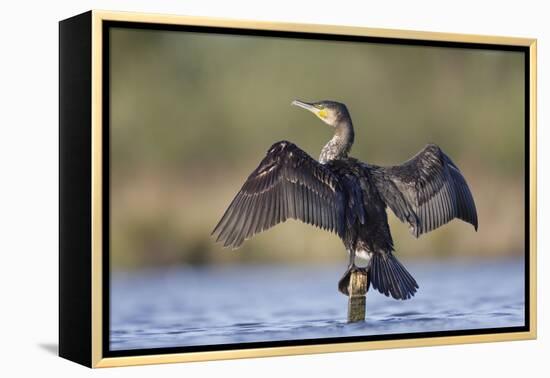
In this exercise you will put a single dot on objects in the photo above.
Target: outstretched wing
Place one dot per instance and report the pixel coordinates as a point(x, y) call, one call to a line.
point(426, 191)
point(288, 183)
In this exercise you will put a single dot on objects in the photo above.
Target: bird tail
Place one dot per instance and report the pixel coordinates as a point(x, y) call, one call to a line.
point(389, 276)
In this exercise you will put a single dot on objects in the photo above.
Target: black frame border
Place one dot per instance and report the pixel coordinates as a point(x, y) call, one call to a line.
point(75, 181)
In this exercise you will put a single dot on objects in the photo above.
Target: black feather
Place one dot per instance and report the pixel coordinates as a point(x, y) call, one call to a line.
point(288, 183)
point(389, 277)
point(432, 187)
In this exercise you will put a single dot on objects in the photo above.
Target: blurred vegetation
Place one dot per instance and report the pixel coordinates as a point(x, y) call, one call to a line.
point(193, 114)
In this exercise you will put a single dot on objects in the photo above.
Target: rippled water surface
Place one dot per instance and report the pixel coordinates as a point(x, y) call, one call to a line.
point(201, 306)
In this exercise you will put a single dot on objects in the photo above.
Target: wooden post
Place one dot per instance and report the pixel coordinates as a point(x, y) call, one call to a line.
point(357, 290)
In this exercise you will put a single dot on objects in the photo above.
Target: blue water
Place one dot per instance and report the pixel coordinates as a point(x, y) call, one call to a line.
point(201, 306)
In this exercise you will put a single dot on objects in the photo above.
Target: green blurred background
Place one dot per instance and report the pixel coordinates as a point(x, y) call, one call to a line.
point(193, 114)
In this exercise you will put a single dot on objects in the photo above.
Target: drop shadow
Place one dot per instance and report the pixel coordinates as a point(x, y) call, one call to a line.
point(50, 348)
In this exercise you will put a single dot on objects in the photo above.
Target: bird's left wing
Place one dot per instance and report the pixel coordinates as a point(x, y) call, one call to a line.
point(288, 183)
point(426, 191)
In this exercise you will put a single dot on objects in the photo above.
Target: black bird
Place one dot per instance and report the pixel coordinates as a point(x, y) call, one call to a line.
point(343, 195)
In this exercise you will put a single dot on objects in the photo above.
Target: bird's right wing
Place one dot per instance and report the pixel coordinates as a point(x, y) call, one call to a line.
point(288, 183)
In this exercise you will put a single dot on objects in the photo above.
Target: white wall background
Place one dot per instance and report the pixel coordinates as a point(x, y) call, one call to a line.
point(29, 174)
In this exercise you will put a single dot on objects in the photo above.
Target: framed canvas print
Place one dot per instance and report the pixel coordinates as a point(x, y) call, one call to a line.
point(235, 189)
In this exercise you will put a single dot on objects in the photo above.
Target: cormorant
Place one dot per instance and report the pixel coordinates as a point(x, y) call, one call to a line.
point(343, 195)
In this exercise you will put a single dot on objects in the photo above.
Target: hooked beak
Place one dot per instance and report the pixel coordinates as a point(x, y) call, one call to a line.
point(305, 106)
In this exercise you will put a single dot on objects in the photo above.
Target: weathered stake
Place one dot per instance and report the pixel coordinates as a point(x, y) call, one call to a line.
point(357, 290)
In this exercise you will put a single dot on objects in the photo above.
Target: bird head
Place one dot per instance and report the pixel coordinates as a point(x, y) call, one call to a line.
point(330, 112)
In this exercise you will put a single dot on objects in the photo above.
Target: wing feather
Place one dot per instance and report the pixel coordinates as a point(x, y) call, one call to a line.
point(426, 191)
point(288, 183)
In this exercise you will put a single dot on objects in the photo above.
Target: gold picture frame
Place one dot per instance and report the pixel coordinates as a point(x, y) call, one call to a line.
point(82, 264)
